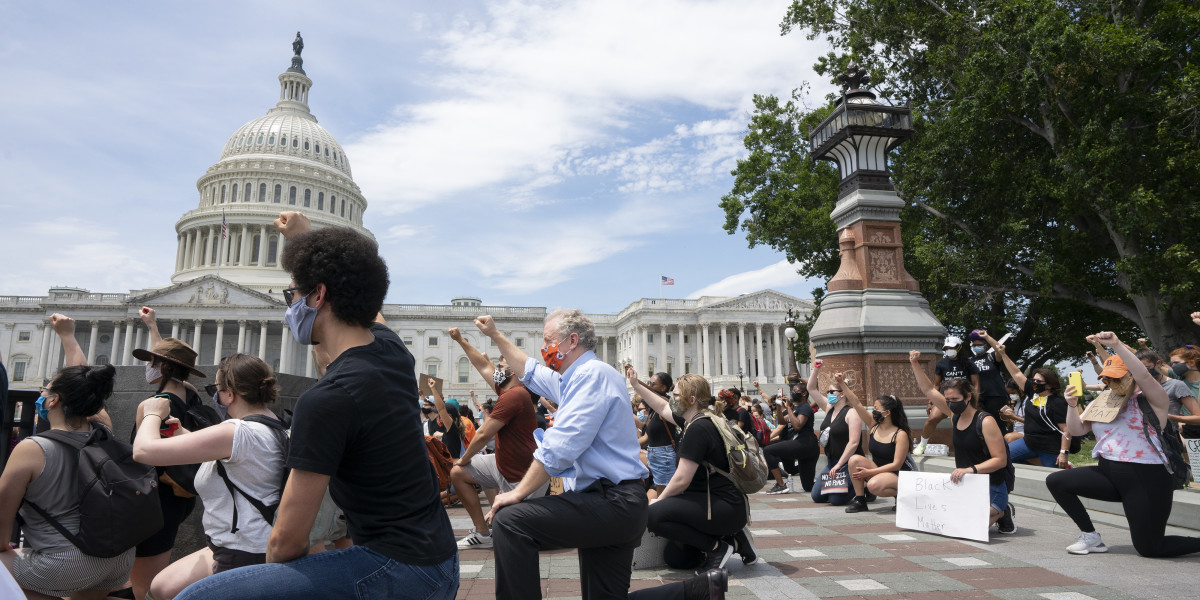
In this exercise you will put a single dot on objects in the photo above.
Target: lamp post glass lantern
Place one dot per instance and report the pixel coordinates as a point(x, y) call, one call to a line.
point(741, 386)
point(793, 376)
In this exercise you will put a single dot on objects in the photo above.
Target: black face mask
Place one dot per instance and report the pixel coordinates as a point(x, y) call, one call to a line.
point(799, 399)
point(1039, 386)
point(1179, 368)
point(877, 416)
point(957, 407)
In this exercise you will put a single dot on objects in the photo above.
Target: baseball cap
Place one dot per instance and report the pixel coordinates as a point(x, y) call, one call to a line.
point(952, 341)
point(1114, 367)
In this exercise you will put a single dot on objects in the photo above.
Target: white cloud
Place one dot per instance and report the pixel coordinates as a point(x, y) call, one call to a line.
point(80, 254)
point(779, 275)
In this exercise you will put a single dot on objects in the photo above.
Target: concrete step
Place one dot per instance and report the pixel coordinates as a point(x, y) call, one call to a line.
point(1031, 491)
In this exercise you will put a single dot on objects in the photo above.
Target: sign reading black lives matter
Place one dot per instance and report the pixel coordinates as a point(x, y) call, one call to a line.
point(934, 503)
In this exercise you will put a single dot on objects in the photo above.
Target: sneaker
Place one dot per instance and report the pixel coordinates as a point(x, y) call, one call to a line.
point(716, 558)
point(919, 449)
point(1007, 524)
point(1087, 543)
point(710, 585)
point(743, 544)
point(475, 540)
point(779, 489)
point(858, 504)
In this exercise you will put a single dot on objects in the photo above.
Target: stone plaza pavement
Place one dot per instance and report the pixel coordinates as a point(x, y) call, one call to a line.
point(809, 550)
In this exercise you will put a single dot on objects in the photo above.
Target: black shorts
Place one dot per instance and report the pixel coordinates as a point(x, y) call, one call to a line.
point(227, 559)
point(175, 510)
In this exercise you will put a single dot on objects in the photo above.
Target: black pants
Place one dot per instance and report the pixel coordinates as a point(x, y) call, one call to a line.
point(992, 405)
point(684, 518)
point(605, 521)
point(797, 457)
point(1143, 490)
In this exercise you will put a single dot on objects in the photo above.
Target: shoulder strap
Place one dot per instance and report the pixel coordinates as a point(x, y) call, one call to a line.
point(267, 513)
point(63, 437)
point(979, 415)
point(668, 427)
point(1150, 418)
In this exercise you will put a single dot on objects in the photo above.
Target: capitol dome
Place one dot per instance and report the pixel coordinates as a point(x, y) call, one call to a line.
point(281, 161)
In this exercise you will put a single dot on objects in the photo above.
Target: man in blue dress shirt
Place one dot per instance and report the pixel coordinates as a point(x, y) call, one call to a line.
point(593, 447)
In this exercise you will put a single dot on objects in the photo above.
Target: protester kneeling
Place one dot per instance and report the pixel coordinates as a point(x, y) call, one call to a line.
point(889, 443)
point(242, 458)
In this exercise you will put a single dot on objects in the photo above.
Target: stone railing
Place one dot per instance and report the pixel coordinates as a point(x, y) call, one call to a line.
point(436, 309)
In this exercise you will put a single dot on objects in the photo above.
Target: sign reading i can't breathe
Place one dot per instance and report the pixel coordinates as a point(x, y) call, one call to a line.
point(931, 502)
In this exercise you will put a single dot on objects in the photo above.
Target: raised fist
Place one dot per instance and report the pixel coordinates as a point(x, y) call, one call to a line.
point(914, 355)
point(62, 324)
point(487, 326)
point(292, 223)
point(147, 316)
point(455, 334)
point(1107, 338)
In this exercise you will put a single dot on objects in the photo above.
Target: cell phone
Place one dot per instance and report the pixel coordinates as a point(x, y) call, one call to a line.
point(1075, 378)
point(166, 430)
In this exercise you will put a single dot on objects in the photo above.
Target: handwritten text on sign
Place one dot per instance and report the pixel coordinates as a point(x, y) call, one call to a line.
point(933, 503)
point(1193, 450)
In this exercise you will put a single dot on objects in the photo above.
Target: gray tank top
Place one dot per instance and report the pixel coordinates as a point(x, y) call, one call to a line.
point(55, 491)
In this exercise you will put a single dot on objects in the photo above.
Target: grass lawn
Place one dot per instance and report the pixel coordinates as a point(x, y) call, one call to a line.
point(1084, 456)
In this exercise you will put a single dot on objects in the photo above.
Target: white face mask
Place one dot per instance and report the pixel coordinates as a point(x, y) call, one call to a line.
point(153, 373)
point(1014, 397)
point(950, 353)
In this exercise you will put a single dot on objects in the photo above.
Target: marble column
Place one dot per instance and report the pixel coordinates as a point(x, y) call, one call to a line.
point(244, 249)
point(196, 337)
point(138, 341)
point(187, 249)
point(779, 374)
point(262, 338)
point(681, 359)
point(44, 351)
point(127, 355)
point(92, 339)
point(705, 361)
point(741, 348)
point(175, 328)
point(604, 349)
point(759, 342)
point(241, 344)
point(262, 247)
point(220, 342)
point(725, 349)
point(284, 336)
point(661, 365)
point(179, 244)
point(55, 358)
point(114, 354)
point(309, 367)
point(644, 366)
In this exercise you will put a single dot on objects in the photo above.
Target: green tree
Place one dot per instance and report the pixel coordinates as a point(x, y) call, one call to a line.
point(1051, 180)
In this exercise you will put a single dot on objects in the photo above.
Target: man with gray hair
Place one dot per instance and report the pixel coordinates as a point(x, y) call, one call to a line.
point(602, 510)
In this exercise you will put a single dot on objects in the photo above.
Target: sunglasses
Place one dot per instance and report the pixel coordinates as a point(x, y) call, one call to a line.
point(289, 294)
point(211, 389)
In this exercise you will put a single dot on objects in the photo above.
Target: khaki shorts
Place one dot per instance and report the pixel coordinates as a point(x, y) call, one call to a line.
point(487, 476)
point(63, 573)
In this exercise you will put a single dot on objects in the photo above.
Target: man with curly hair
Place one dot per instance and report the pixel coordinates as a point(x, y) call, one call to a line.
point(350, 432)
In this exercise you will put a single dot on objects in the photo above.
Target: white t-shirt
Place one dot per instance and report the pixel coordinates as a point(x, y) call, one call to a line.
point(256, 466)
point(1124, 441)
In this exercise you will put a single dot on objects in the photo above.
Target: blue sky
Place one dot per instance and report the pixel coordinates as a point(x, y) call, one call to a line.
point(528, 153)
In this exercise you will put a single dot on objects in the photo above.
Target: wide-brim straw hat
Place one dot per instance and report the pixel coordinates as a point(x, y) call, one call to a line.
point(172, 350)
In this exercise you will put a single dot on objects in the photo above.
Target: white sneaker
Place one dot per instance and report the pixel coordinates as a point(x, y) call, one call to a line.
point(1087, 543)
point(919, 449)
point(475, 540)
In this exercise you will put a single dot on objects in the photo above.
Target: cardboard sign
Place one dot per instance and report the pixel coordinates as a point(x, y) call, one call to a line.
point(931, 502)
point(1104, 408)
point(1193, 450)
point(424, 383)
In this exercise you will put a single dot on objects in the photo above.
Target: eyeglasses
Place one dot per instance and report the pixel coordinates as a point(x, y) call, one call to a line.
point(46, 392)
point(289, 296)
point(834, 392)
point(211, 389)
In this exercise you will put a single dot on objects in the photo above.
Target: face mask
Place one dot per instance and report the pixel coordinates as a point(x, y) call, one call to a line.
point(552, 357)
point(978, 349)
point(799, 399)
point(957, 407)
point(1179, 368)
point(499, 376)
point(300, 318)
point(676, 405)
point(153, 373)
point(1014, 397)
point(877, 416)
point(42, 412)
point(1122, 387)
point(831, 398)
point(221, 408)
point(951, 353)
point(1039, 386)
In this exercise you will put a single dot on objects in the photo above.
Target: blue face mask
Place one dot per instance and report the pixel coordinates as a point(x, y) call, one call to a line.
point(300, 318)
point(831, 398)
point(42, 412)
point(978, 349)
point(221, 408)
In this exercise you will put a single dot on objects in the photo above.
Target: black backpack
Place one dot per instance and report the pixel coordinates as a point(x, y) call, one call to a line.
point(193, 415)
point(118, 497)
point(1010, 471)
point(266, 510)
point(1172, 446)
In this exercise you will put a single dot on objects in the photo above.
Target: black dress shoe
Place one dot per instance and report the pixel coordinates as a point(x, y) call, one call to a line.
point(710, 585)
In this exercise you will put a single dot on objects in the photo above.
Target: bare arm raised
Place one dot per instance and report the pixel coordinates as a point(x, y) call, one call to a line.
point(923, 382)
point(478, 360)
point(511, 353)
point(852, 398)
point(653, 400)
point(64, 326)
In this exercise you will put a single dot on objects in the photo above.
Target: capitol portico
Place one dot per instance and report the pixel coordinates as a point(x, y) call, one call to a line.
point(225, 291)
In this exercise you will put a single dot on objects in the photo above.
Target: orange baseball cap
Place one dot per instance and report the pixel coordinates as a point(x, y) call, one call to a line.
point(1114, 367)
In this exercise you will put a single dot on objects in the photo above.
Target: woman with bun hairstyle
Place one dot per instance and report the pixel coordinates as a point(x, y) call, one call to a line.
point(888, 442)
point(249, 451)
point(41, 471)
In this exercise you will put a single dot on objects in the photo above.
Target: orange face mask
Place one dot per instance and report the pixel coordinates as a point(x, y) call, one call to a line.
point(552, 357)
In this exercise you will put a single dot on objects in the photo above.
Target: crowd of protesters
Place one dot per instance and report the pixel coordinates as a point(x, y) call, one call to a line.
point(363, 448)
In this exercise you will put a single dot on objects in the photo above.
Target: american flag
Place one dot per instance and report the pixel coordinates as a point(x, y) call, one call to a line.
point(668, 280)
point(224, 227)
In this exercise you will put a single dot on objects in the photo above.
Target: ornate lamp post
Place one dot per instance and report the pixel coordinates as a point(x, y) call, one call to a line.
point(793, 376)
point(874, 312)
point(741, 386)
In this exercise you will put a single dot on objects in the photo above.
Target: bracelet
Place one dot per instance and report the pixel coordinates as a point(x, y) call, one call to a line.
point(1062, 451)
point(974, 470)
point(160, 418)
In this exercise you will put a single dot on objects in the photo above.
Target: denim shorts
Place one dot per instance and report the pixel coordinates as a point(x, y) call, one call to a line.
point(662, 463)
point(998, 496)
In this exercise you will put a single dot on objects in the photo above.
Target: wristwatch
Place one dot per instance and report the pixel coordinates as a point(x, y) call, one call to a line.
point(974, 470)
point(1062, 451)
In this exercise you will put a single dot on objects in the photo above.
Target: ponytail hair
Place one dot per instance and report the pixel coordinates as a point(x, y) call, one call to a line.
point(250, 377)
point(893, 405)
point(83, 389)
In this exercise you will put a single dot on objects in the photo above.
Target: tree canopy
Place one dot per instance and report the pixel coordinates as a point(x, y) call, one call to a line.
point(1052, 179)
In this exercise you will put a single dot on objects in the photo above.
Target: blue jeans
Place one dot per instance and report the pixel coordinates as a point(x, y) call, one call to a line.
point(356, 572)
point(1021, 452)
point(662, 463)
point(834, 499)
point(998, 496)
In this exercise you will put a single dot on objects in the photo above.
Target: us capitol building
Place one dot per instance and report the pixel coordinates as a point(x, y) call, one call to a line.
point(225, 295)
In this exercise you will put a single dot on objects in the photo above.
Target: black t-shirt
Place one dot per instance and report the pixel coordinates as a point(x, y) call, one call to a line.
point(805, 434)
point(452, 436)
point(957, 368)
point(360, 425)
point(991, 376)
point(1041, 423)
point(656, 432)
point(970, 449)
point(702, 443)
point(746, 418)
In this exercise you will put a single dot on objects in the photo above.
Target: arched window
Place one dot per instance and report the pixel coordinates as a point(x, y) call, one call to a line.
point(278, 193)
point(332, 204)
point(246, 194)
point(222, 201)
point(464, 370)
point(254, 249)
point(292, 195)
point(233, 196)
point(216, 247)
point(317, 148)
point(295, 142)
point(271, 140)
point(259, 141)
point(343, 208)
point(102, 359)
point(326, 151)
point(307, 198)
point(262, 192)
point(320, 200)
point(283, 140)
point(306, 145)
point(272, 249)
